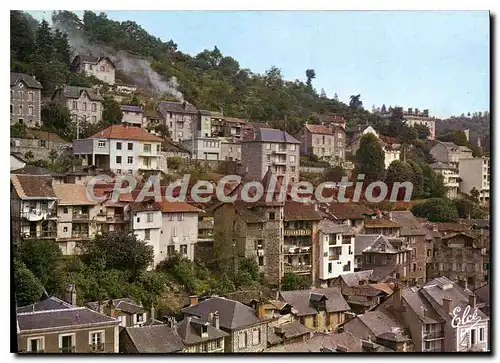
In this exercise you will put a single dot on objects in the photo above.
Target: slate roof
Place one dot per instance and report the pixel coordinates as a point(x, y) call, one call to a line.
point(34, 170)
point(126, 304)
point(75, 92)
point(379, 323)
point(483, 294)
point(75, 316)
point(300, 300)
point(380, 273)
point(442, 166)
point(72, 194)
point(344, 211)
point(362, 241)
point(125, 132)
point(320, 129)
point(155, 114)
point(50, 303)
point(292, 330)
point(409, 224)
point(190, 335)
point(247, 296)
point(296, 211)
point(155, 339)
point(234, 120)
point(275, 136)
point(177, 107)
point(421, 307)
point(33, 186)
point(232, 314)
point(327, 226)
point(204, 112)
point(131, 108)
point(380, 223)
point(26, 78)
point(353, 278)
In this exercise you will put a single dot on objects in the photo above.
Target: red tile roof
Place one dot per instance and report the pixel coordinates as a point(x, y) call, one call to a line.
point(296, 211)
point(124, 132)
point(319, 129)
point(178, 207)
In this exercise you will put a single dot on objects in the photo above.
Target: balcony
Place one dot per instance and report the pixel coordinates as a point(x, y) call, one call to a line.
point(289, 250)
point(434, 335)
point(298, 268)
point(80, 234)
point(97, 347)
point(42, 234)
point(279, 162)
point(67, 349)
point(346, 241)
point(35, 215)
point(280, 151)
point(298, 232)
point(80, 216)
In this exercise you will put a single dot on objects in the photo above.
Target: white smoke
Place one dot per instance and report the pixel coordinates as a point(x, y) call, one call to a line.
point(137, 69)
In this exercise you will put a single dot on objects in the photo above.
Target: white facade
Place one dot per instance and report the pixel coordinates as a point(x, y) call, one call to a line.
point(450, 178)
point(475, 173)
point(477, 336)
point(179, 232)
point(147, 226)
point(390, 156)
point(104, 70)
point(426, 121)
point(449, 153)
point(132, 117)
point(204, 148)
point(336, 255)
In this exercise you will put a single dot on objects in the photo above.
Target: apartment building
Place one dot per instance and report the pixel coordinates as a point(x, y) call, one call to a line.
point(475, 173)
point(247, 329)
point(152, 339)
point(122, 149)
point(449, 153)
point(336, 250)
point(271, 149)
point(33, 206)
point(325, 141)
point(25, 100)
point(203, 148)
point(233, 127)
point(75, 216)
point(428, 312)
point(84, 104)
point(180, 118)
point(151, 119)
point(146, 222)
point(100, 67)
point(317, 309)
point(53, 326)
point(300, 239)
point(132, 115)
point(391, 149)
point(450, 177)
point(412, 117)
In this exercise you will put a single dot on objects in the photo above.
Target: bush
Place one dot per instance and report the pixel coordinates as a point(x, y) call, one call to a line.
point(293, 281)
point(436, 210)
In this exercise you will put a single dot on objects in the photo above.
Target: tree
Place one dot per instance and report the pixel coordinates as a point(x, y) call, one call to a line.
point(323, 94)
point(22, 42)
point(112, 112)
point(383, 109)
point(422, 131)
point(464, 207)
point(370, 158)
point(293, 281)
point(336, 97)
point(310, 74)
point(42, 258)
point(120, 251)
point(53, 155)
point(417, 179)
point(29, 156)
point(18, 130)
point(474, 195)
point(136, 101)
point(334, 174)
point(457, 136)
point(61, 47)
point(56, 118)
point(436, 210)
point(28, 288)
point(398, 171)
point(355, 102)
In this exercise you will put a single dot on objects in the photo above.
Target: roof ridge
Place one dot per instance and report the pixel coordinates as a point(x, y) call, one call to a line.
point(54, 310)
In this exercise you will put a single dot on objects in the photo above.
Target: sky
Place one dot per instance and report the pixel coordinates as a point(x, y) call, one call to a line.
point(427, 60)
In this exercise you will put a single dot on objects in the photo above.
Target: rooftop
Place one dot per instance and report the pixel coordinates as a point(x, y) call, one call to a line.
point(131, 108)
point(302, 300)
point(72, 194)
point(76, 92)
point(189, 333)
point(124, 132)
point(160, 338)
point(274, 136)
point(177, 107)
point(28, 80)
point(50, 303)
point(33, 186)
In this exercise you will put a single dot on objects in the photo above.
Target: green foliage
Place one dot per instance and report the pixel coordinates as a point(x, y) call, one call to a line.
point(53, 155)
point(182, 271)
point(398, 171)
point(293, 281)
point(29, 155)
point(422, 131)
point(335, 173)
point(468, 209)
point(18, 130)
point(436, 210)
point(112, 112)
point(355, 102)
point(28, 288)
point(370, 158)
point(56, 118)
point(310, 75)
point(474, 195)
point(120, 251)
point(457, 136)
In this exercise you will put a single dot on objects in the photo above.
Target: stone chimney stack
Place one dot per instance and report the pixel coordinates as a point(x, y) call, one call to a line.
point(447, 305)
point(472, 300)
point(410, 110)
point(193, 300)
point(70, 295)
point(398, 297)
point(215, 320)
point(261, 312)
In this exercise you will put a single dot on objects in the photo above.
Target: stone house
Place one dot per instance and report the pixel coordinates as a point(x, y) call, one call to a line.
point(126, 310)
point(202, 336)
point(25, 100)
point(325, 141)
point(84, 104)
point(317, 309)
point(100, 67)
point(41, 144)
point(247, 329)
point(449, 153)
point(160, 338)
point(180, 118)
point(132, 115)
point(363, 298)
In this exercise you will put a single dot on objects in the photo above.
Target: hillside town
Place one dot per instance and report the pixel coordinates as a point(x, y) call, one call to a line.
point(120, 272)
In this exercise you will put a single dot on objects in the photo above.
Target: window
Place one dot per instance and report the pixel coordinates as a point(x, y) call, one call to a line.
point(96, 340)
point(75, 105)
point(293, 169)
point(268, 146)
point(85, 106)
point(103, 69)
point(481, 334)
point(67, 343)
point(292, 147)
point(147, 148)
point(171, 216)
point(20, 109)
point(129, 172)
point(147, 234)
point(414, 267)
point(292, 158)
point(473, 337)
point(118, 159)
point(315, 321)
point(150, 217)
point(118, 171)
point(174, 232)
point(43, 143)
point(261, 226)
point(268, 157)
point(30, 110)
point(218, 343)
point(184, 249)
point(11, 109)
point(139, 318)
point(94, 107)
point(330, 267)
point(271, 216)
point(261, 261)
point(35, 344)
point(21, 95)
point(65, 210)
point(158, 148)
point(101, 143)
point(242, 340)
point(118, 146)
point(130, 146)
point(256, 336)
point(130, 159)
point(170, 250)
point(180, 216)
point(11, 95)
point(429, 253)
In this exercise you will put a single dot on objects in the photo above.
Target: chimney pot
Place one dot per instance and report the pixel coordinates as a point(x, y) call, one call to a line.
point(193, 300)
point(447, 305)
point(215, 320)
point(261, 312)
point(472, 300)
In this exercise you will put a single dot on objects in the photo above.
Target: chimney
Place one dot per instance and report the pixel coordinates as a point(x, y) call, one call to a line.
point(171, 322)
point(472, 300)
point(152, 312)
point(100, 307)
point(398, 297)
point(261, 312)
point(447, 304)
point(70, 295)
point(193, 300)
point(215, 320)
point(410, 110)
point(434, 227)
point(426, 113)
point(416, 111)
